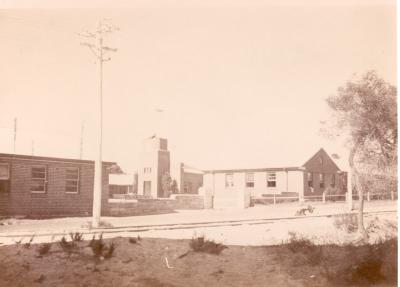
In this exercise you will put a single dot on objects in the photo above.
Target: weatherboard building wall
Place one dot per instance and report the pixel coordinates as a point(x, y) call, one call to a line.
point(318, 174)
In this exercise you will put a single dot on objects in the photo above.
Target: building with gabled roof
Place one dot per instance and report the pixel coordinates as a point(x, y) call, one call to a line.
point(234, 187)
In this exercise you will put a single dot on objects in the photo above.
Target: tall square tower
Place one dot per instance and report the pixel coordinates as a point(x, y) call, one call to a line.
point(154, 163)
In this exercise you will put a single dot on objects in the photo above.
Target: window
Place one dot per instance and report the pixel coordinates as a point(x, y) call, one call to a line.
point(321, 160)
point(147, 170)
point(333, 180)
point(271, 179)
point(321, 180)
point(38, 179)
point(229, 180)
point(4, 177)
point(250, 179)
point(310, 179)
point(72, 180)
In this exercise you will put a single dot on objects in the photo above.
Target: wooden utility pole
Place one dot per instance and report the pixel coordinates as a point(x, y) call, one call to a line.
point(100, 51)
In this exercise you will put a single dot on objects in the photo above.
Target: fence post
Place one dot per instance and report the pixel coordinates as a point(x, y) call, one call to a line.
point(368, 198)
point(323, 197)
point(274, 199)
point(392, 194)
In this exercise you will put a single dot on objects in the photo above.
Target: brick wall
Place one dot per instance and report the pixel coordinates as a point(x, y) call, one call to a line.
point(55, 201)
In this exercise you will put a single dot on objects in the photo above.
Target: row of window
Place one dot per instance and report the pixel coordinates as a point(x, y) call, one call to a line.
point(271, 179)
point(321, 178)
point(39, 179)
point(147, 170)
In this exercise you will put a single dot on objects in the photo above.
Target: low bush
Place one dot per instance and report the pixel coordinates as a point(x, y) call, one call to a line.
point(100, 249)
point(201, 244)
point(367, 264)
point(346, 222)
point(66, 246)
point(134, 240)
point(348, 265)
point(44, 248)
point(76, 237)
point(28, 244)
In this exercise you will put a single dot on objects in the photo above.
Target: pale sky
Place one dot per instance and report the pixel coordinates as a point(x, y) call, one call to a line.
point(241, 83)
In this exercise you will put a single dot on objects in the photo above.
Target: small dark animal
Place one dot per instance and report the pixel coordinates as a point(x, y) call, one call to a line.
point(303, 211)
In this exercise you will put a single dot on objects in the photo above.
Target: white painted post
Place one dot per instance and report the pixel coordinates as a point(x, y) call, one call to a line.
point(368, 197)
point(323, 197)
point(274, 199)
point(349, 193)
point(392, 194)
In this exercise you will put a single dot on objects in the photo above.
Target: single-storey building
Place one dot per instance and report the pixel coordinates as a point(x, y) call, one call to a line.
point(47, 186)
point(189, 179)
point(122, 184)
point(235, 187)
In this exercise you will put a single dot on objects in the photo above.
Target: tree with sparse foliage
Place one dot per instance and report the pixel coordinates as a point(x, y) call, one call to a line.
point(166, 183)
point(365, 113)
point(174, 186)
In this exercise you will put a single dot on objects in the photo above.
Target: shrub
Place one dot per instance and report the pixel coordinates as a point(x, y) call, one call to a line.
point(368, 264)
point(134, 240)
point(346, 222)
point(109, 253)
point(201, 244)
point(66, 246)
point(100, 249)
point(76, 237)
point(44, 248)
point(28, 244)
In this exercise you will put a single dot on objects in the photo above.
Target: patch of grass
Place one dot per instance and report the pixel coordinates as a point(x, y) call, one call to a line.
point(349, 265)
point(367, 264)
point(310, 252)
point(201, 244)
point(44, 249)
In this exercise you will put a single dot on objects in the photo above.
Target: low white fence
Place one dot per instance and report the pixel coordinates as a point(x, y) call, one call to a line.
point(276, 198)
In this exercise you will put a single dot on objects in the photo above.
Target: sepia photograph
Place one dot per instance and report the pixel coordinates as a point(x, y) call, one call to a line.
point(176, 143)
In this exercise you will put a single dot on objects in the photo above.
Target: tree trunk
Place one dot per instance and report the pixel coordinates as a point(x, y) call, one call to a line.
point(357, 184)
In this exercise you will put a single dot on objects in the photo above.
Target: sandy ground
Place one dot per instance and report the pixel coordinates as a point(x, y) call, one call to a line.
point(252, 232)
point(144, 264)
point(186, 216)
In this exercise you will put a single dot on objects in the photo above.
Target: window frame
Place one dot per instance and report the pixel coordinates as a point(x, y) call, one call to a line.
point(310, 179)
point(8, 179)
point(273, 175)
point(321, 180)
point(249, 179)
point(230, 183)
point(45, 179)
point(333, 180)
point(72, 180)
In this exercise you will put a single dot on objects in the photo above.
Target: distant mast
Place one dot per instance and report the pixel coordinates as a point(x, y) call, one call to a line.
point(81, 142)
point(15, 134)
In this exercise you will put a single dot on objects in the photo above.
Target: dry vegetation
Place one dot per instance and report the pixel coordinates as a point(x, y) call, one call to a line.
point(141, 262)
